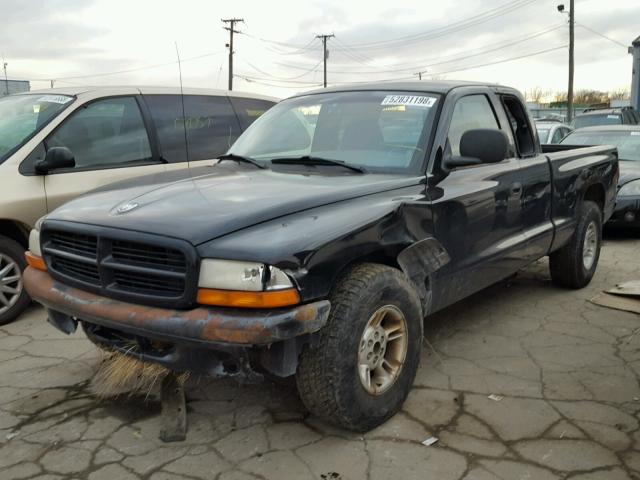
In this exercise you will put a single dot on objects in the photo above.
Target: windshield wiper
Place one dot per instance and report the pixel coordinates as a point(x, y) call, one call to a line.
point(309, 160)
point(241, 158)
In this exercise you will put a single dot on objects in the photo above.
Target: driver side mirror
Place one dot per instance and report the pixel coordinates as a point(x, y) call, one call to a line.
point(56, 157)
point(479, 146)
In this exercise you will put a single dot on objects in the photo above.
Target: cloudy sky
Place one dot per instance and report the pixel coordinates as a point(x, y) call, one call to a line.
point(521, 43)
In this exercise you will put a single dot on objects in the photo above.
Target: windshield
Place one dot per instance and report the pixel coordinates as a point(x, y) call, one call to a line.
point(582, 121)
point(628, 142)
point(379, 131)
point(21, 116)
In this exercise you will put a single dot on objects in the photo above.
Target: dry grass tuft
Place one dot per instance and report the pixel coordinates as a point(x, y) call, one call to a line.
point(121, 374)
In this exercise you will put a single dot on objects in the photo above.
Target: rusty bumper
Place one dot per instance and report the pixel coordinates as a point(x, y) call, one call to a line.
point(202, 325)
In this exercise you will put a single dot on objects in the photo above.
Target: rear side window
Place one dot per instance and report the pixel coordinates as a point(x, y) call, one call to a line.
point(471, 112)
point(520, 126)
point(212, 126)
point(105, 132)
point(166, 111)
point(249, 109)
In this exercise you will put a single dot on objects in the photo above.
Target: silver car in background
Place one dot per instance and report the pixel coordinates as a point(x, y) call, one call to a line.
point(552, 131)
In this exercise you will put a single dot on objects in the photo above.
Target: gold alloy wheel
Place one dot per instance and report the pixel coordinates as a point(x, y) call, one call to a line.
point(383, 348)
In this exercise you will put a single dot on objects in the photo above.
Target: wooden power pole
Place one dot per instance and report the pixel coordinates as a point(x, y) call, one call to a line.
point(231, 22)
point(325, 53)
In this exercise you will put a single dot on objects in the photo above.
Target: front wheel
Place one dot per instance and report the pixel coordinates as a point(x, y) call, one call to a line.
point(13, 297)
point(574, 265)
point(360, 371)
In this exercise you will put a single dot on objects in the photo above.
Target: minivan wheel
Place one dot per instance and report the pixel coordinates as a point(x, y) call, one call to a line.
point(13, 297)
point(574, 265)
point(360, 369)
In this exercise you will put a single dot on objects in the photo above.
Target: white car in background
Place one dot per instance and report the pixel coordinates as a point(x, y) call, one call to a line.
point(60, 143)
point(552, 131)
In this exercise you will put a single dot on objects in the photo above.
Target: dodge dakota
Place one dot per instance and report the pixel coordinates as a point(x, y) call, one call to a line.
point(316, 247)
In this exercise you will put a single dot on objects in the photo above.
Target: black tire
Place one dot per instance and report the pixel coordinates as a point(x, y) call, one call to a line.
point(328, 379)
point(567, 265)
point(10, 249)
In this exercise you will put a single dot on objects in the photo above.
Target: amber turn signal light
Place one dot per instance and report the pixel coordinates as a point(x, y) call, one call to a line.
point(240, 299)
point(35, 261)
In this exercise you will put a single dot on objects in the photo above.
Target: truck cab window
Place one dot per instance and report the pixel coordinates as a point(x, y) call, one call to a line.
point(519, 125)
point(470, 112)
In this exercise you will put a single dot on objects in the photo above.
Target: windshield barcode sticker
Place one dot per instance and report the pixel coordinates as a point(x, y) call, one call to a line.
point(409, 100)
point(635, 133)
point(62, 99)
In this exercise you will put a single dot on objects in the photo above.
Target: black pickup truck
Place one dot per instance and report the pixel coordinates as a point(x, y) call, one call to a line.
point(316, 247)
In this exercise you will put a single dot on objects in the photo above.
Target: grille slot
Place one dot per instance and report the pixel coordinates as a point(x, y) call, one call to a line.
point(148, 256)
point(148, 284)
point(82, 271)
point(161, 272)
point(84, 245)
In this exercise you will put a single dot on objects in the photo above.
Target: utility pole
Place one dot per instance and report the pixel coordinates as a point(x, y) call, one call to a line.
point(419, 74)
point(572, 24)
point(6, 80)
point(326, 54)
point(231, 22)
point(635, 79)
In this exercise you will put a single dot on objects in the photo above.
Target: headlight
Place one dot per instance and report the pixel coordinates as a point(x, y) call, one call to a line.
point(630, 189)
point(34, 238)
point(230, 283)
point(242, 276)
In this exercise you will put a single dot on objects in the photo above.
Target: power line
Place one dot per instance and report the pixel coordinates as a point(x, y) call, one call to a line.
point(450, 28)
point(602, 35)
point(306, 72)
point(118, 72)
point(462, 69)
point(441, 61)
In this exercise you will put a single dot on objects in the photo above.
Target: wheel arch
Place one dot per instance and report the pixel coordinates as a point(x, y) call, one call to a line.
point(595, 193)
point(16, 231)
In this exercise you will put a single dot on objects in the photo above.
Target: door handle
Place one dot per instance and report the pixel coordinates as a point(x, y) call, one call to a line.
point(516, 189)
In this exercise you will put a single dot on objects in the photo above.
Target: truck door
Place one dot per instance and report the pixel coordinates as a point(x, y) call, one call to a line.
point(535, 216)
point(476, 209)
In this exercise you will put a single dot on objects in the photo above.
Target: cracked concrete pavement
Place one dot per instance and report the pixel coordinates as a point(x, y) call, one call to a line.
point(563, 375)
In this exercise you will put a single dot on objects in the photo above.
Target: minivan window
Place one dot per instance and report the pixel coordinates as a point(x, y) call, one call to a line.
point(212, 126)
point(103, 133)
point(249, 109)
point(380, 131)
point(22, 116)
point(166, 112)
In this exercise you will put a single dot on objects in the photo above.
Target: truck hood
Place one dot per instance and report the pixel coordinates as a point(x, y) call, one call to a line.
point(629, 170)
point(230, 198)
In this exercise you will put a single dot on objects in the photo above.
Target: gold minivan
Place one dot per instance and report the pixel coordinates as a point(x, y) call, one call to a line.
point(57, 144)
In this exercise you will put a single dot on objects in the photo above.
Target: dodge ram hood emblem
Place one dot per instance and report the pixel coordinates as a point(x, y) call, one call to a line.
point(127, 207)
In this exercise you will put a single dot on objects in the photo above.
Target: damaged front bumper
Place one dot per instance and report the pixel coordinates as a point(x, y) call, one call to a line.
point(217, 341)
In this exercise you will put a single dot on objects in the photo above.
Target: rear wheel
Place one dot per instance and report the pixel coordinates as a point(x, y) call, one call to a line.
point(13, 297)
point(361, 369)
point(574, 265)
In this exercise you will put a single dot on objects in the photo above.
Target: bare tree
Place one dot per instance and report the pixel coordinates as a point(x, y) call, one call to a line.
point(620, 94)
point(536, 95)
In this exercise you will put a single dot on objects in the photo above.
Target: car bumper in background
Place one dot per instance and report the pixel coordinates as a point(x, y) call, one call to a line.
point(626, 213)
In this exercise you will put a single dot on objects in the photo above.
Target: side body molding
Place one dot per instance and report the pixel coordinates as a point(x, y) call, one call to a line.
point(420, 260)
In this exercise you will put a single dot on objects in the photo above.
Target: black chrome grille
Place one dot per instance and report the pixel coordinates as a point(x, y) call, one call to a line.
point(154, 271)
